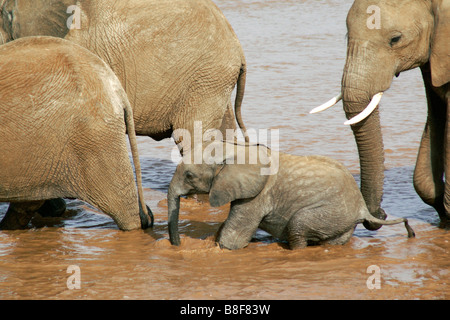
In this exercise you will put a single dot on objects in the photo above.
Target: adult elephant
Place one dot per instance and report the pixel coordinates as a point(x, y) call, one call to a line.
point(178, 60)
point(386, 38)
point(63, 118)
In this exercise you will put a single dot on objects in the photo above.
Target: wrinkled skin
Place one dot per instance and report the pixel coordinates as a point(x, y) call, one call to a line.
point(412, 34)
point(63, 122)
point(177, 60)
point(308, 200)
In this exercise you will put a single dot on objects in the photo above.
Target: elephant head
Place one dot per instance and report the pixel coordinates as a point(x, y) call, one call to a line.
point(385, 38)
point(234, 172)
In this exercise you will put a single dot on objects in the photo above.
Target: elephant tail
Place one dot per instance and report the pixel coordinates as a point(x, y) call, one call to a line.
point(144, 210)
point(240, 88)
point(367, 217)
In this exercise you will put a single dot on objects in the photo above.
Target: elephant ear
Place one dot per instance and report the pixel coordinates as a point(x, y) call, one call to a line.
point(440, 49)
point(236, 179)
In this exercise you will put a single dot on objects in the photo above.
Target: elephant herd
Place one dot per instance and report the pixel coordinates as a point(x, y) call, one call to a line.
point(75, 89)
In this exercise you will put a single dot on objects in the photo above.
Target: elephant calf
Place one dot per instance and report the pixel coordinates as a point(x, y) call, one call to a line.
point(63, 122)
point(308, 200)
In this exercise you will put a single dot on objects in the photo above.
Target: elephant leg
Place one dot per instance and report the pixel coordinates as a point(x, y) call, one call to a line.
point(429, 170)
point(446, 216)
point(240, 226)
point(297, 242)
point(109, 185)
point(53, 208)
point(19, 214)
point(192, 130)
point(306, 229)
point(342, 239)
point(228, 121)
point(431, 160)
point(296, 233)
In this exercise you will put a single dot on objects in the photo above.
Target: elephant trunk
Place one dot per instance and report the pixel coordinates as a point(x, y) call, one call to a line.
point(371, 156)
point(358, 88)
point(173, 199)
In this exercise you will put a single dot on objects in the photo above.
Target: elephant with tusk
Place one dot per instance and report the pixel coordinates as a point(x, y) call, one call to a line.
point(303, 200)
point(63, 122)
point(411, 34)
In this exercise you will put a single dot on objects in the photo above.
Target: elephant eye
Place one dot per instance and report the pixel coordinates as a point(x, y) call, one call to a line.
point(189, 175)
point(394, 40)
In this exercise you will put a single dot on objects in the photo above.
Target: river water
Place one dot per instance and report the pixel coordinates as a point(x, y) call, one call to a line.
point(295, 53)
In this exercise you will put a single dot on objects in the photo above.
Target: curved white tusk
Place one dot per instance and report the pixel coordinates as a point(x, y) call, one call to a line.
point(367, 111)
point(327, 104)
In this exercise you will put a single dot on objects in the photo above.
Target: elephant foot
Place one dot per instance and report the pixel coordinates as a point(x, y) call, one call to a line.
point(380, 214)
point(53, 208)
point(297, 243)
point(145, 222)
point(443, 210)
point(19, 215)
point(444, 223)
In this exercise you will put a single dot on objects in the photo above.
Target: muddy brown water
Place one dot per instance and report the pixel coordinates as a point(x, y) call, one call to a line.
point(295, 53)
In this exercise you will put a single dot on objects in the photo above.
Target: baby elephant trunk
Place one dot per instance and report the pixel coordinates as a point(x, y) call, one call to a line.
point(173, 200)
point(367, 217)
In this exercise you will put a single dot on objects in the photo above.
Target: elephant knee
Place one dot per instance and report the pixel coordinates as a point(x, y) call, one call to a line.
point(296, 234)
point(231, 240)
point(428, 189)
point(433, 192)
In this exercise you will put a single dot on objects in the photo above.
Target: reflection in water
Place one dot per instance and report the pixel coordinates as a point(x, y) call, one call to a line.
point(295, 53)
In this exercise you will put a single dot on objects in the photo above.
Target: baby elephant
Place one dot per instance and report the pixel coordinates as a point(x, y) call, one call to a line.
point(303, 200)
point(63, 122)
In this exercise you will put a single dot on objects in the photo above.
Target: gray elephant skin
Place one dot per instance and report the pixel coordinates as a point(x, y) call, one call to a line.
point(307, 200)
point(63, 122)
point(178, 60)
point(386, 38)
